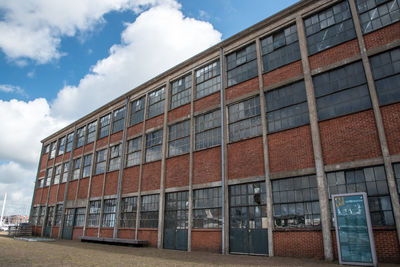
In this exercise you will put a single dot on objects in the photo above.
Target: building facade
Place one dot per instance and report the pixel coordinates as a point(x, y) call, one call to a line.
point(240, 148)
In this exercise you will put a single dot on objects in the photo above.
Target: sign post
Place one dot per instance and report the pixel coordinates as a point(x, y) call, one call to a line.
point(353, 229)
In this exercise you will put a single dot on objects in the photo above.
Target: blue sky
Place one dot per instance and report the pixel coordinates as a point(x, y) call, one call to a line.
point(56, 55)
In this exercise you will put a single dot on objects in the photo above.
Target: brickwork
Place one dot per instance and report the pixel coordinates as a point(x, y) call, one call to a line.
point(43, 161)
point(208, 101)
point(387, 246)
point(151, 176)
point(134, 130)
point(130, 181)
point(334, 54)
point(116, 137)
point(242, 89)
point(101, 142)
point(42, 174)
point(349, 138)
point(246, 158)
point(83, 188)
point(91, 231)
point(61, 191)
point(154, 122)
point(88, 147)
point(126, 233)
point(290, 150)
point(77, 233)
point(278, 75)
point(207, 165)
point(106, 232)
point(97, 186)
point(53, 194)
point(44, 195)
point(71, 195)
point(59, 159)
point(177, 171)
point(66, 156)
point(77, 152)
point(382, 36)
point(150, 235)
point(391, 119)
point(54, 232)
point(38, 195)
point(50, 163)
point(179, 112)
point(207, 240)
point(111, 183)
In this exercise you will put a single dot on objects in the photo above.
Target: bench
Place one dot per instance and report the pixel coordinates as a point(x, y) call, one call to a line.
point(108, 240)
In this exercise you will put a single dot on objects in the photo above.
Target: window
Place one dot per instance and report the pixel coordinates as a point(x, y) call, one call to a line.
point(47, 149)
point(286, 107)
point(137, 111)
point(104, 126)
point(80, 217)
point(87, 165)
point(91, 132)
point(371, 180)
point(59, 211)
point(101, 161)
point(156, 103)
point(40, 182)
point(109, 209)
point(396, 168)
point(149, 211)
point(115, 158)
point(134, 152)
point(376, 14)
point(49, 175)
point(244, 119)
point(208, 79)
point(154, 145)
point(128, 212)
point(280, 48)
point(61, 146)
point(70, 141)
point(65, 172)
point(179, 138)
point(296, 202)
point(386, 72)
point(77, 169)
point(241, 65)
point(329, 28)
point(80, 137)
point(208, 130)
point(53, 147)
point(35, 214)
point(341, 91)
point(94, 213)
point(41, 216)
point(119, 120)
point(181, 91)
point(50, 216)
point(207, 212)
point(57, 174)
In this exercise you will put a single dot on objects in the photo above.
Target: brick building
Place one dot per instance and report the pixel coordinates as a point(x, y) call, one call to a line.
point(240, 147)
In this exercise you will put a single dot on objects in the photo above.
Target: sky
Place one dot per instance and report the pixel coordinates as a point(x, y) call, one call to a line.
point(60, 60)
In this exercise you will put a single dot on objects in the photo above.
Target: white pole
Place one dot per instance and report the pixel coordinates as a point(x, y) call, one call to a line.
point(2, 211)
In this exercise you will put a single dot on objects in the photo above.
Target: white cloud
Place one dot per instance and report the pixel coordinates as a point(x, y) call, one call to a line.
point(8, 88)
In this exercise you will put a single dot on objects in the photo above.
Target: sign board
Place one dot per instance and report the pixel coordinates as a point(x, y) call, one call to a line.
point(353, 229)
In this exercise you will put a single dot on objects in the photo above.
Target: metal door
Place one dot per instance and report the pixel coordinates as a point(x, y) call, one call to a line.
point(48, 224)
point(247, 219)
point(176, 220)
point(68, 227)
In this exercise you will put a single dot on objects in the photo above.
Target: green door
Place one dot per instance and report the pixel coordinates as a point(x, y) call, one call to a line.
point(176, 220)
point(48, 224)
point(68, 223)
point(247, 219)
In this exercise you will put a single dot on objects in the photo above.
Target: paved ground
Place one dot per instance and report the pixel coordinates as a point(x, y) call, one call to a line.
point(74, 253)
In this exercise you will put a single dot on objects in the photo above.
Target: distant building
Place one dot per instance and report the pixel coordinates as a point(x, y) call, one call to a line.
point(310, 107)
point(15, 219)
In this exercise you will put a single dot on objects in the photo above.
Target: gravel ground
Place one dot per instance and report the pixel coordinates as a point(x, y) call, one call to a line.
point(75, 253)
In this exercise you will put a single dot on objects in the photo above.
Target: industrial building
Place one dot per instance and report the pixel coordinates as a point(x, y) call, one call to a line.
point(239, 148)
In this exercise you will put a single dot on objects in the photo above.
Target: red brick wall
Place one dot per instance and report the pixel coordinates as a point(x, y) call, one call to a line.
point(102, 142)
point(38, 230)
point(66, 156)
point(135, 129)
point(154, 122)
point(77, 233)
point(334, 54)
point(72, 187)
point(291, 150)
point(91, 232)
point(126, 233)
point(207, 240)
point(54, 232)
point(106, 232)
point(59, 159)
point(177, 171)
point(349, 138)
point(44, 195)
point(382, 36)
point(38, 196)
point(50, 163)
point(83, 188)
point(53, 194)
point(61, 191)
point(43, 161)
point(78, 152)
point(391, 123)
point(130, 181)
point(386, 245)
point(151, 176)
point(116, 137)
point(298, 243)
point(208, 101)
point(283, 73)
point(242, 88)
point(246, 158)
point(179, 112)
point(42, 174)
point(150, 235)
point(111, 183)
point(88, 147)
point(97, 186)
point(207, 165)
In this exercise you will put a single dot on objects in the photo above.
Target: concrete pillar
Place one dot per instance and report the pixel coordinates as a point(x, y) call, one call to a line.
point(35, 185)
point(378, 119)
point(268, 185)
point(316, 141)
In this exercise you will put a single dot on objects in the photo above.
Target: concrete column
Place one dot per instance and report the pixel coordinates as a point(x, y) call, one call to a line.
point(378, 119)
point(162, 178)
point(316, 141)
point(35, 185)
point(59, 183)
point(268, 186)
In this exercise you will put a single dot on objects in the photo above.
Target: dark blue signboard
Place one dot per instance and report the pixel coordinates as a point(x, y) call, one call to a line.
point(353, 229)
